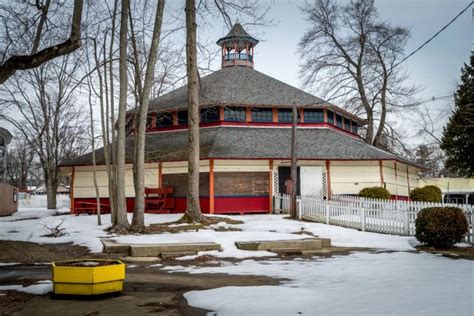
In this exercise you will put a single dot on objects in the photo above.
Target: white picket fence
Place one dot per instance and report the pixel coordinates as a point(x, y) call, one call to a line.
point(40, 201)
point(380, 216)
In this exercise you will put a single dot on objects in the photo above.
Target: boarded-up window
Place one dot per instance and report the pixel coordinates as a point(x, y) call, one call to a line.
point(241, 183)
point(179, 182)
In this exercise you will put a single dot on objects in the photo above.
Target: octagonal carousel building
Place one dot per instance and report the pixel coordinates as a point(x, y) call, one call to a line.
point(245, 133)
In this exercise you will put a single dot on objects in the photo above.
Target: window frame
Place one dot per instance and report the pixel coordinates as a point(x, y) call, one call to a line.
point(340, 123)
point(209, 114)
point(162, 117)
point(311, 117)
point(266, 115)
point(235, 114)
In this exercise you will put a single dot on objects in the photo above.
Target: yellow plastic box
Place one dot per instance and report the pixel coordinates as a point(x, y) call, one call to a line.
point(88, 280)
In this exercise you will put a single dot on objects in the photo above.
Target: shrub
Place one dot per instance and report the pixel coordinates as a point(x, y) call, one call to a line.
point(375, 193)
point(429, 193)
point(441, 227)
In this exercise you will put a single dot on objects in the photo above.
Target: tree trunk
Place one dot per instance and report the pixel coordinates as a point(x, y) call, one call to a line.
point(113, 159)
point(193, 209)
point(94, 165)
point(138, 222)
point(121, 203)
point(51, 190)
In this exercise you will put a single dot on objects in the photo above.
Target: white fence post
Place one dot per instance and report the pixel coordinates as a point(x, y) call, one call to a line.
point(327, 213)
point(471, 233)
point(298, 208)
point(406, 222)
point(362, 214)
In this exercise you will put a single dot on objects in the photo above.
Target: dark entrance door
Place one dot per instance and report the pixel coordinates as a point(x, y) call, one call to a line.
point(284, 175)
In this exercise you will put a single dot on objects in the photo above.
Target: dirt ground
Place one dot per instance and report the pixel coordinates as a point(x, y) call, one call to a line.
point(146, 289)
point(453, 252)
point(30, 253)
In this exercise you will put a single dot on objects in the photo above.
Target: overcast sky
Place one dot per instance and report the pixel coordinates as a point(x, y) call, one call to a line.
point(436, 68)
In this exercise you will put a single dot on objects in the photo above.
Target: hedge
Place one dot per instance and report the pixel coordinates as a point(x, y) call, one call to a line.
point(375, 193)
point(441, 227)
point(429, 193)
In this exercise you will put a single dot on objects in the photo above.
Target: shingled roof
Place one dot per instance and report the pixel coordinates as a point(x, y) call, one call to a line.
point(239, 86)
point(241, 143)
point(237, 32)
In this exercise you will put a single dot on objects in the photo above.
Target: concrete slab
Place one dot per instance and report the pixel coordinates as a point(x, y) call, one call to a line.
point(155, 250)
point(326, 242)
point(301, 244)
point(140, 259)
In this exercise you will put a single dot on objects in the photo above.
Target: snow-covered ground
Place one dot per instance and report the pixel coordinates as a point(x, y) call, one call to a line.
point(31, 225)
point(39, 288)
point(397, 283)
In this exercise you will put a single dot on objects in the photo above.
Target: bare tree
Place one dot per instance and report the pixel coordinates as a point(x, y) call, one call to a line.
point(138, 222)
point(121, 204)
point(20, 161)
point(193, 209)
point(18, 22)
point(40, 105)
point(353, 57)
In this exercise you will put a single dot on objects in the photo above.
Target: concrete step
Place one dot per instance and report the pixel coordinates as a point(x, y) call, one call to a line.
point(301, 244)
point(110, 246)
point(326, 242)
point(166, 255)
point(155, 250)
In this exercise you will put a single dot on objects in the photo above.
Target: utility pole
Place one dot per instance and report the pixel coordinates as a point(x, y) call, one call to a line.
point(293, 172)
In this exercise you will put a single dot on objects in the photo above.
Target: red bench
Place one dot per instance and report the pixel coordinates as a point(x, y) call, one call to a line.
point(159, 200)
point(91, 208)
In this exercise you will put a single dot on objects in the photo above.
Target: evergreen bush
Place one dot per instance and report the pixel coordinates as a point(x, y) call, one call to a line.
point(429, 193)
point(375, 193)
point(441, 227)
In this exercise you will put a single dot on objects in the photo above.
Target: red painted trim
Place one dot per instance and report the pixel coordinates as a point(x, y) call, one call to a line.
point(160, 174)
point(396, 178)
point(332, 108)
point(223, 205)
point(381, 173)
point(328, 169)
point(270, 187)
point(408, 180)
point(71, 192)
point(274, 158)
point(256, 124)
point(211, 186)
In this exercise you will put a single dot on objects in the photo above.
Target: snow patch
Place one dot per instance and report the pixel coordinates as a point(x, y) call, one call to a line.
point(397, 283)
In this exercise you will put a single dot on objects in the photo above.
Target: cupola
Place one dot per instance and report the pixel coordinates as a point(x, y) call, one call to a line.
point(237, 47)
